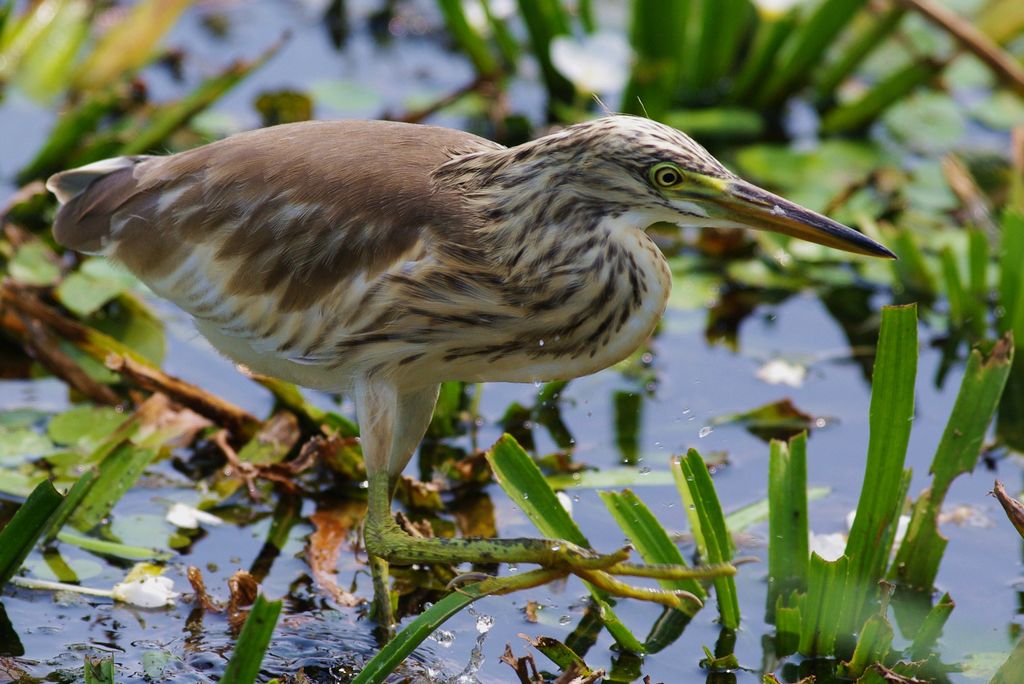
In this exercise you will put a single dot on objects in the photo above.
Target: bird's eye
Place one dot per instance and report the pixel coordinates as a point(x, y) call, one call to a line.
point(666, 175)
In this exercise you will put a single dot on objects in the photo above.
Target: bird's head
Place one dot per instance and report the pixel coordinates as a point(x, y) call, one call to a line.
point(661, 175)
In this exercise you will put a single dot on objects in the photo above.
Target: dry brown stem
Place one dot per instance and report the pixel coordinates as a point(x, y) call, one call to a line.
point(235, 419)
point(973, 40)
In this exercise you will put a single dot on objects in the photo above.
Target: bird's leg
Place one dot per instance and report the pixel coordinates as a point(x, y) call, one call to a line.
point(391, 424)
point(385, 537)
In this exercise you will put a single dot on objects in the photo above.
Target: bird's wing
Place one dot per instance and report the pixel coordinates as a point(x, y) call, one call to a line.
point(277, 240)
point(288, 211)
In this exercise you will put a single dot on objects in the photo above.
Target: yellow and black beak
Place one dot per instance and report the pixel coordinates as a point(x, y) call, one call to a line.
point(749, 205)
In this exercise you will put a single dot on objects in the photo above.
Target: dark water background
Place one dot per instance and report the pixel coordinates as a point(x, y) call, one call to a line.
point(695, 383)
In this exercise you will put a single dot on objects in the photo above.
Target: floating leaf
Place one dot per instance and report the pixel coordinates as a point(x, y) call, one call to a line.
point(777, 420)
point(927, 122)
point(34, 264)
point(284, 106)
point(85, 426)
point(21, 444)
point(133, 325)
point(84, 294)
point(811, 178)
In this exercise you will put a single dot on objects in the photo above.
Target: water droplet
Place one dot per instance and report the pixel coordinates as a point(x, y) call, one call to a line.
point(647, 358)
point(576, 498)
point(820, 422)
point(705, 431)
point(686, 411)
point(643, 470)
point(556, 547)
point(540, 343)
point(484, 623)
point(525, 496)
point(538, 384)
point(692, 507)
point(565, 619)
point(512, 567)
point(778, 211)
point(443, 637)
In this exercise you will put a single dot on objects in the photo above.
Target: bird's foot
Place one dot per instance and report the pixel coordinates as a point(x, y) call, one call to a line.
point(389, 542)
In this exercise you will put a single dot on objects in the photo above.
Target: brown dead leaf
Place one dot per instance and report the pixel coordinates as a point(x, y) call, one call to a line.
point(420, 530)
point(177, 427)
point(524, 666)
point(472, 469)
point(202, 597)
point(530, 611)
point(474, 517)
point(332, 529)
point(244, 590)
point(1014, 509)
point(892, 677)
point(419, 495)
point(10, 672)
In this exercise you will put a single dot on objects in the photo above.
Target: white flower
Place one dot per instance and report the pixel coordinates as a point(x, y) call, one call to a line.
point(771, 7)
point(147, 592)
point(828, 546)
point(566, 502)
point(189, 517)
point(476, 16)
point(782, 372)
point(598, 63)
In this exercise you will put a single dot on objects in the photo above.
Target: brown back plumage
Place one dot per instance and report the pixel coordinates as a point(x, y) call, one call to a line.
point(304, 205)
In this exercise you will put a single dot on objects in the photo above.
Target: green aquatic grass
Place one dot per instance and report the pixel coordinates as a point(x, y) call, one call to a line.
point(917, 560)
point(406, 641)
point(787, 519)
point(707, 523)
point(524, 483)
point(649, 537)
point(244, 666)
point(891, 413)
point(468, 38)
point(21, 533)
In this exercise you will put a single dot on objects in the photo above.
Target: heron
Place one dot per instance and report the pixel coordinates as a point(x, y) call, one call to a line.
point(381, 259)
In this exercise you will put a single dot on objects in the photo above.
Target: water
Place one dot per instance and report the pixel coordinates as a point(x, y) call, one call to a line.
point(695, 383)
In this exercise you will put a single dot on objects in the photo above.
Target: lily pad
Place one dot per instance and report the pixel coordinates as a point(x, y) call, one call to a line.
point(34, 264)
point(928, 189)
point(811, 177)
point(132, 324)
point(927, 122)
point(18, 444)
point(1002, 110)
point(84, 294)
point(346, 97)
point(85, 425)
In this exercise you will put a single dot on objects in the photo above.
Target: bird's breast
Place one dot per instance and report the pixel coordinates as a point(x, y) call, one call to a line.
point(586, 308)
